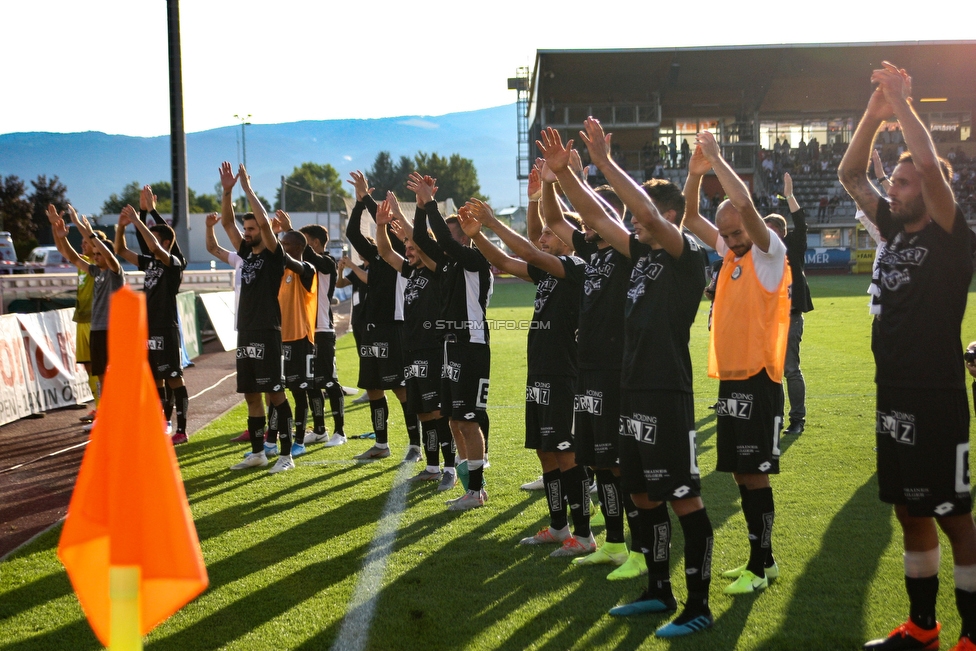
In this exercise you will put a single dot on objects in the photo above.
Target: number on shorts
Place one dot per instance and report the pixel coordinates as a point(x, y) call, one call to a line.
point(962, 467)
point(777, 424)
point(693, 450)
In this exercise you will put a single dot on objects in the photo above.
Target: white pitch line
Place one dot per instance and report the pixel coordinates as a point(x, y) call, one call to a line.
point(197, 395)
point(46, 456)
point(354, 633)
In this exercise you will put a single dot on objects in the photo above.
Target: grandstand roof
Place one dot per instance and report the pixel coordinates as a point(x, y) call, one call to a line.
point(775, 80)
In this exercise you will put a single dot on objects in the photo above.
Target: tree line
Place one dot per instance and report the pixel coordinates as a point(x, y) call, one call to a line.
point(308, 188)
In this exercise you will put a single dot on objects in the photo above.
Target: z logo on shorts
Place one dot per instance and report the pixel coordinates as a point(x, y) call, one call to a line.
point(156, 343)
point(897, 425)
point(641, 431)
point(250, 351)
point(537, 395)
point(589, 404)
point(734, 407)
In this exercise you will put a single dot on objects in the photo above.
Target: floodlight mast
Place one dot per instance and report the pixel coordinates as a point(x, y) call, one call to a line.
point(177, 134)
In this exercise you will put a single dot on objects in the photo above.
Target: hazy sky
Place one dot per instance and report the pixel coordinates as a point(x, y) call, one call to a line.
point(101, 65)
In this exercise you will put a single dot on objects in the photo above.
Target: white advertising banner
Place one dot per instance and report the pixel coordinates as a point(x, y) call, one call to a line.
point(37, 364)
point(221, 308)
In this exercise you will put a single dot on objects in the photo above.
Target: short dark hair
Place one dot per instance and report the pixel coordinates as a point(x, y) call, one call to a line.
point(163, 232)
point(574, 220)
point(248, 215)
point(294, 237)
point(316, 232)
point(666, 194)
point(108, 245)
point(453, 219)
point(946, 166)
point(608, 194)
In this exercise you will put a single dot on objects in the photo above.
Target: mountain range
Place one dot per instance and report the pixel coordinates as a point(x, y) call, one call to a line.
point(93, 165)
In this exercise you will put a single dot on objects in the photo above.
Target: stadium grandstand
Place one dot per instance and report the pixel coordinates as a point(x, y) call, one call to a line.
point(774, 109)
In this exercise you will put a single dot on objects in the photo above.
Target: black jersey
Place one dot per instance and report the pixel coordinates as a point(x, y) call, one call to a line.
point(161, 284)
point(421, 308)
point(552, 336)
point(384, 303)
point(261, 274)
point(601, 322)
point(466, 279)
point(325, 266)
point(662, 301)
point(360, 292)
point(924, 277)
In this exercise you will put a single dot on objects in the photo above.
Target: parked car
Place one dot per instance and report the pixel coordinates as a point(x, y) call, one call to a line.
point(8, 256)
point(47, 259)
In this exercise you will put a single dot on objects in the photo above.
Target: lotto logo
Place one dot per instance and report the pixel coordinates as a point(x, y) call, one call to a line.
point(899, 426)
point(589, 404)
point(641, 431)
point(377, 350)
point(764, 466)
point(156, 343)
point(251, 351)
point(734, 407)
point(537, 395)
point(681, 491)
point(943, 508)
point(565, 445)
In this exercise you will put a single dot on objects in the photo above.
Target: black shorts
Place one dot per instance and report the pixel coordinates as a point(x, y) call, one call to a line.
point(260, 368)
point(164, 353)
point(596, 427)
point(923, 450)
point(98, 342)
point(381, 356)
point(299, 358)
point(750, 417)
point(423, 375)
point(464, 380)
point(658, 454)
point(549, 413)
point(325, 360)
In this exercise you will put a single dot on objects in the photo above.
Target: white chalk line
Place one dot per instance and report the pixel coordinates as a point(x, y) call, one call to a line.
point(354, 632)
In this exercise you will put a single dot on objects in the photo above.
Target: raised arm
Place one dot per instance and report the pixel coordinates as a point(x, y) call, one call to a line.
point(227, 219)
point(796, 240)
point(494, 255)
point(698, 166)
point(128, 215)
point(259, 211)
point(537, 199)
point(152, 244)
point(940, 204)
point(520, 246)
point(664, 232)
point(354, 226)
point(384, 215)
point(60, 232)
point(879, 170)
point(584, 200)
point(853, 168)
point(213, 248)
point(736, 191)
point(144, 203)
point(81, 223)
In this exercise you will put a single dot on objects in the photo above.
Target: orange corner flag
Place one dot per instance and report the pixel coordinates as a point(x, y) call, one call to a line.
point(129, 510)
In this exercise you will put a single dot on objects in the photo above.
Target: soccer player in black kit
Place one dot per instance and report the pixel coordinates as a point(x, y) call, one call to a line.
point(552, 368)
point(326, 375)
point(381, 350)
point(657, 416)
point(423, 342)
point(466, 289)
point(922, 408)
point(163, 275)
point(600, 340)
point(259, 356)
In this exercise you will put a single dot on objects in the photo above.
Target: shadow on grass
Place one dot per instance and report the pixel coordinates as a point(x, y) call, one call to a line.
point(76, 636)
point(828, 600)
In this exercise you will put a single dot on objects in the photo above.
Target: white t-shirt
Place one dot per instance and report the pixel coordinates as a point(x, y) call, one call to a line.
point(769, 264)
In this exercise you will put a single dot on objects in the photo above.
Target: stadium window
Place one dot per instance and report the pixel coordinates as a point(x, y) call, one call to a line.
point(830, 237)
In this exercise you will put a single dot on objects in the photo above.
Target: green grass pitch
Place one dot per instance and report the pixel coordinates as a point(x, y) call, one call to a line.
point(284, 552)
